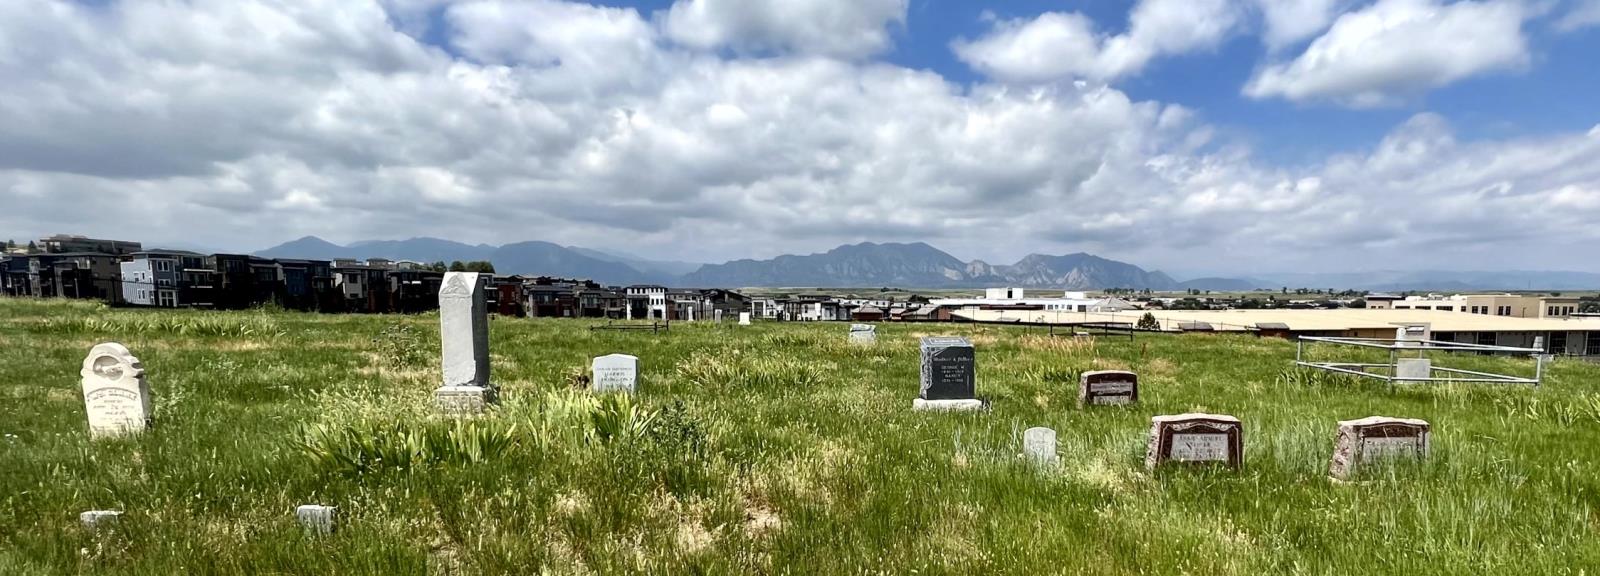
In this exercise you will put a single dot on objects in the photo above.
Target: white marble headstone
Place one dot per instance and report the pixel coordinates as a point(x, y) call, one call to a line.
point(115, 393)
point(744, 318)
point(96, 519)
point(1039, 445)
point(615, 373)
point(317, 519)
point(464, 343)
point(863, 334)
point(464, 330)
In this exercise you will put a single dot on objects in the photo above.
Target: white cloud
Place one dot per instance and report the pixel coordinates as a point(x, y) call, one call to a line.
point(1058, 45)
point(849, 29)
point(1396, 49)
point(1286, 22)
point(238, 125)
point(1582, 14)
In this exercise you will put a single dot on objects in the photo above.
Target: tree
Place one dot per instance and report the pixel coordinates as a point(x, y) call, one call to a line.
point(480, 266)
point(1148, 322)
point(1285, 289)
point(457, 266)
point(1358, 303)
point(32, 248)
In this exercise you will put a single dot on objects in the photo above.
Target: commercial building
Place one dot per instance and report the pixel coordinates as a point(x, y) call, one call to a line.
point(1564, 336)
point(1513, 305)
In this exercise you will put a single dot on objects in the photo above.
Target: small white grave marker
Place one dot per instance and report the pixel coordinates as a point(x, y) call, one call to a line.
point(744, 318)
point(115, 393)
point(94, 519)
point(863, 334)
point(317, 519)
point(615, 373)
point(1039, 446)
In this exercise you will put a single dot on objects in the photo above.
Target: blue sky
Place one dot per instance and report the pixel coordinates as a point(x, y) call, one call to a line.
point(1202, 136)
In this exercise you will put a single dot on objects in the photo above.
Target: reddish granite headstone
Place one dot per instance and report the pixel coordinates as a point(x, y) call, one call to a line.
point(1108, 387)
point(1195, 438)
point(1363, 441)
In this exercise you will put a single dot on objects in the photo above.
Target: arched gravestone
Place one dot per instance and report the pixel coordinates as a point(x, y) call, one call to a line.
point(1108, 387)
point(1195, 439)
point(115, 393)
point(1359, 443)
point(1039, 446)
point(863, 334)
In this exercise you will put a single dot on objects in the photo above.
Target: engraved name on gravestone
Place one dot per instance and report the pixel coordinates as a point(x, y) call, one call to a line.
point(115, 393)
point(464, 344)
point(863, 334)
point(1195, 438)
point(615, 372)
point(1108, 388)
point(1039, 445)
point(948, 369)
point(1367, 440)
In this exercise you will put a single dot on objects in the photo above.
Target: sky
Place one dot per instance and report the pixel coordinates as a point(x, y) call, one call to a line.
point(1193, 136)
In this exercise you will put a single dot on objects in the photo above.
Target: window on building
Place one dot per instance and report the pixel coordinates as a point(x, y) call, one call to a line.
point(1503, 311)
point(1593, 346)
point(1557, 344)
point(1447, 308)
point(169, 298)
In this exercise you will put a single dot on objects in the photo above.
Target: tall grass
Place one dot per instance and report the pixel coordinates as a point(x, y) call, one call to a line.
point(774, 448)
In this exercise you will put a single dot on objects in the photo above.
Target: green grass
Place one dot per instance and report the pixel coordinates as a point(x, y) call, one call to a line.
point(773, 448)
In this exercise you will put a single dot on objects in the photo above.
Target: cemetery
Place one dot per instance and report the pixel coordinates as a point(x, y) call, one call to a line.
point(462, 442)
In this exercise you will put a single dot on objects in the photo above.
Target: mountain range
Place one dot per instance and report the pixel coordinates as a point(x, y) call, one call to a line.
point(906, 265)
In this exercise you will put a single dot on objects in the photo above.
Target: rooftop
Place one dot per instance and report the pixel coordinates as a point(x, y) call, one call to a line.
point(1300, 320)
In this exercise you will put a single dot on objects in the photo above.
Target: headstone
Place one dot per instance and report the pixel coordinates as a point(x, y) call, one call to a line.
point(317, 519)
point(115, 393)
point(95, 519)
point(863, 334)
point(948, 375)
point(464, 341)
point(1108, 388)
point(744, 318)
point(615, 373)
point(1195, 438)
point(716, 315)
point(1039, 446)
point(1413, 369)
point(1360, 442)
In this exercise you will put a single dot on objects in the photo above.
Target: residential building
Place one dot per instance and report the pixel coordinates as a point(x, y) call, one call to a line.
point(89, 275)
point(308, 285)
point(166, 279)
point(63, 243)
point(646, 302)
point(413, 290)
point(721, 303)
point(363, 288)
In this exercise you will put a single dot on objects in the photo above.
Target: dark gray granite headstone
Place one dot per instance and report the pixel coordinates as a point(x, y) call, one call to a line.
point(948, 367)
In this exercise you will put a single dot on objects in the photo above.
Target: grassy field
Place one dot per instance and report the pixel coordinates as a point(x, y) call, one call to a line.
point(773, 448)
